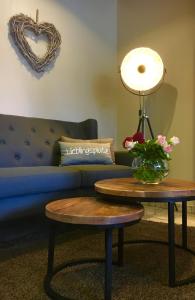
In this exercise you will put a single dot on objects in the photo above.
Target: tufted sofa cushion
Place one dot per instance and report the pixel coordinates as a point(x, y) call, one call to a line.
point(20, 181)
point(28, 141)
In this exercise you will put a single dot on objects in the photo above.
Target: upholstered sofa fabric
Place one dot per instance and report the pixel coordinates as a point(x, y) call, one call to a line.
point(20, 181)
point(30, 175)
point(34, 204)
point(28, 141)
point(92, 173)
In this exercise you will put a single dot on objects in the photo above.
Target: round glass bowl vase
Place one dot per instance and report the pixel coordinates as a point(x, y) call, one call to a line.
point(149, 171)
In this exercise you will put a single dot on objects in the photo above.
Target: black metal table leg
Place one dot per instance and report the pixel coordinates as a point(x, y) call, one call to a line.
point(120, 246)
point(51, 247)
point(171, 243)
point(184, 225)
point(108, 264)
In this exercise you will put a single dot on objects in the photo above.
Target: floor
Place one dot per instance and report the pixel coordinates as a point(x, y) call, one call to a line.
point(158, 213)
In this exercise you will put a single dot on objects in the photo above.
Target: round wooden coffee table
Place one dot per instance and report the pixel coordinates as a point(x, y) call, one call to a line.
point(126, 190)
point(89, 211)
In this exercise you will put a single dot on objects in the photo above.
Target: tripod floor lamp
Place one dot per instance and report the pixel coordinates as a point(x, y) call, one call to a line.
point(142, 73)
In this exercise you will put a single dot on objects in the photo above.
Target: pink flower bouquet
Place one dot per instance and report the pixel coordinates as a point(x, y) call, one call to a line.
point(150, 156)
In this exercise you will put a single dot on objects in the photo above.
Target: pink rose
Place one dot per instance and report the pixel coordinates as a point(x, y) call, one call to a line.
point(168, 148)
point(161, 139)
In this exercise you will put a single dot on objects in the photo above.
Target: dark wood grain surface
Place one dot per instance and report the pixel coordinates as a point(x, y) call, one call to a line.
point(130, 187)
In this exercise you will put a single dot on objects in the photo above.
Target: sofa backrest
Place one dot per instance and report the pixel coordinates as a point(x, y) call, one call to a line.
point(26, 141)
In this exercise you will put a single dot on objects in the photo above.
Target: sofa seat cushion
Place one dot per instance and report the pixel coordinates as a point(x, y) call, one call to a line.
point(31, 180)
point(92, 173)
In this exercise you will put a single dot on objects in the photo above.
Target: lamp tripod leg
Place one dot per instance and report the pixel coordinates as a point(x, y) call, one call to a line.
point(139, 125)
point(150, 127)
point(143, 126)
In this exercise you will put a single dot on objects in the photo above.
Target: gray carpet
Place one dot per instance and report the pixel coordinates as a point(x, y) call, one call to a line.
point(144, 276)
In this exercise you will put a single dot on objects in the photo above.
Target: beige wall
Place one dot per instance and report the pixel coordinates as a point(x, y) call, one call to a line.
point(167, 27)
point(84, 81)
point(80, 84)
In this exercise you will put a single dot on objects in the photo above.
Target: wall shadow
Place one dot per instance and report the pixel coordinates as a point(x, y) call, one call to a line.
point(160, 107)
point(147, 16)
point(82, 12)
point(105, 90)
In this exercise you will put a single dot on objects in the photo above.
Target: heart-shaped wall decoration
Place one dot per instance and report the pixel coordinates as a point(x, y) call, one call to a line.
point(19, 24)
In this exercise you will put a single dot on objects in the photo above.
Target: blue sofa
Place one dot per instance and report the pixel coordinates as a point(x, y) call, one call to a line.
point(30, 175)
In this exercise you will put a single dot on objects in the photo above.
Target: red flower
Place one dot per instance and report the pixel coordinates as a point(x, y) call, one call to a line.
point(139, 137)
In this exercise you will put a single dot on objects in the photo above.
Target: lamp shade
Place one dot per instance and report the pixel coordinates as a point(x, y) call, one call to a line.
point(142, 70)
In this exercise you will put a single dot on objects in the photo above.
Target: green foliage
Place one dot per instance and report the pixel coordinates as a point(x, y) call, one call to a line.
point(149, 150)
point(151, 161)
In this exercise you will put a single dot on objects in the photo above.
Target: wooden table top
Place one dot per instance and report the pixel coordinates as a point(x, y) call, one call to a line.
point(92, 211)
point(130, 187)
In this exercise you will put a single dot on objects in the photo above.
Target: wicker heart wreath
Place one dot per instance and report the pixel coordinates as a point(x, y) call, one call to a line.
point(18, 24)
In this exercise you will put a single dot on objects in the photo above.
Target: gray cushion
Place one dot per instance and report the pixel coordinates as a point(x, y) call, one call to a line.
point(100, 140)
point(92, 173)
point(32, 180)
point(85, 153)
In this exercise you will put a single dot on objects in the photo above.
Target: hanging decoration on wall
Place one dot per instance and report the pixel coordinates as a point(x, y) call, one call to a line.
point(21, 23)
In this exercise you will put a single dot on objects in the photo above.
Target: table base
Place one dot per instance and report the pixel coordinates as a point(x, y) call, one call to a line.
point(172, 280)
point(51, 271)
point(48, 278)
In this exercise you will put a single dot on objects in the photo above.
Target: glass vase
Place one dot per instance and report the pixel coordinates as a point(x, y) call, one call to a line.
point(149, 171)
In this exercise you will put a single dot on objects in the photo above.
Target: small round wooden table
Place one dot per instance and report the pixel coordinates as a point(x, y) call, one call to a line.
point(89, 211)
point(170, 191)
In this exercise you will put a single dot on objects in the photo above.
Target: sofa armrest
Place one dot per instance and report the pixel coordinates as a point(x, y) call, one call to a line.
point(123, 158)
